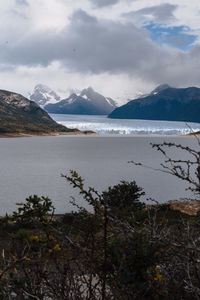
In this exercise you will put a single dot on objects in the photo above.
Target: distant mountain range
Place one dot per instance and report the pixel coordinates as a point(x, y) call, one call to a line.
point(163, 103)
point(87, 102)
point(19, 115)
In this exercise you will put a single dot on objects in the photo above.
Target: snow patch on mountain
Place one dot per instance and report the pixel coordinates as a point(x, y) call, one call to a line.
point(44, 95)
point(86, 97)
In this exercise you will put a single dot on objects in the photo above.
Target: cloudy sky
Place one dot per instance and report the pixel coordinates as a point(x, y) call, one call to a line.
point(119, 47)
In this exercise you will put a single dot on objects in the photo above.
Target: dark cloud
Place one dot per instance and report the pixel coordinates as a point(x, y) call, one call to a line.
point(102, 3)
point(82, 17)
point(90, 45)
point(161, 13)
point(22, 2)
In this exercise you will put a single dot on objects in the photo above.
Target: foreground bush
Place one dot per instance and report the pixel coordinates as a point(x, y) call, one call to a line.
point(136, 252)
point(121, 249)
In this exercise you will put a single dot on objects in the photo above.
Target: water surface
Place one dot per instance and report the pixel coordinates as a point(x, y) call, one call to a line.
point(33, 166)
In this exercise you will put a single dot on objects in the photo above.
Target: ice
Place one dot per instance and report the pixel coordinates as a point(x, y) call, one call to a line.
point(103, 125)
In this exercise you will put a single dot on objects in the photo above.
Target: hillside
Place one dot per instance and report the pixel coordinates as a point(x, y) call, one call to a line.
point(169, 104)
point(19, 116)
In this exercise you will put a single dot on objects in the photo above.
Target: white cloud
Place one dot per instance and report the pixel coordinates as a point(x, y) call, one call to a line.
point(44, 41)
point(119, 87)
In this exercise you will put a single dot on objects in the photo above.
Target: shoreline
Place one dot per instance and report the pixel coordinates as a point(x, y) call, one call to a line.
point(90, 133)
point(18, 135)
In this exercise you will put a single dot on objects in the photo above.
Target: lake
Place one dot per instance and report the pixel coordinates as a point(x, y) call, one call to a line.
point(33, 166)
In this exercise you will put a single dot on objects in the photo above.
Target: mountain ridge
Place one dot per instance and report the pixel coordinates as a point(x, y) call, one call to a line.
point(20, 116)
point(169, 104)
point(88, 102)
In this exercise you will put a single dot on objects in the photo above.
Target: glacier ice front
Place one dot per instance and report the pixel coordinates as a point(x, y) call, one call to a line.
point(103, 125)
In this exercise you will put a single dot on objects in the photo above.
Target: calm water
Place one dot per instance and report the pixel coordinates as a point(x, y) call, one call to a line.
point(33, 166)
point(103, 125)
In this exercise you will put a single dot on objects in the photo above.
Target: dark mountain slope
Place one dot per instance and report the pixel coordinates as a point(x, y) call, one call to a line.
point(171, 104)
point(19, 115)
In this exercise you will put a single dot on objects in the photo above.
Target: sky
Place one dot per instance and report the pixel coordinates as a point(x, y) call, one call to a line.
point(119, 47)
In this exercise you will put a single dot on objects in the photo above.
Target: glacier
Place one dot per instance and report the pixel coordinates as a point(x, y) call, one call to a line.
point(103, 125)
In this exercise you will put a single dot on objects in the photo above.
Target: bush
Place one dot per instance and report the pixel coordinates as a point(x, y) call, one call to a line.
point(34, 209)
point(122, 200)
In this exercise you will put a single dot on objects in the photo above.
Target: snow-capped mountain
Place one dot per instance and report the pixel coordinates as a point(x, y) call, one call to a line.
point(160, 88)
point(44, 95)
point(90, 95)
point(87, 102)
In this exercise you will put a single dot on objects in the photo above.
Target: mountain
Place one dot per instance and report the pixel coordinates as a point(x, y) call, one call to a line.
point(18, 115)
point(160, 88)
point(169, 104)
point(88, 102)
point(43, 95)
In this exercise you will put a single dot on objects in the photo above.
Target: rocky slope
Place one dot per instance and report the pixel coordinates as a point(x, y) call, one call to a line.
point(170, 104)
point(88, 102)
point(19, 116)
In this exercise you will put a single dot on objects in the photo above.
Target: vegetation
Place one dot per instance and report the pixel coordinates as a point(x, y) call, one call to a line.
point(18, 116)
point(121, 249)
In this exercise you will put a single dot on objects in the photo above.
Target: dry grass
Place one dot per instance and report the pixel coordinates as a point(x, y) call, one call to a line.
point(189, 207)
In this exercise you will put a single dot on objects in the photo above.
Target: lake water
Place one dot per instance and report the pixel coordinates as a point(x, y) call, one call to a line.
point(33, 166)
point(103, 125)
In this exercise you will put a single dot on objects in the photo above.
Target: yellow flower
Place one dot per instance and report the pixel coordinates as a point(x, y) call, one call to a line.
point(35, 238)
point(57, 247)
point(158, 277)
point(27, 258)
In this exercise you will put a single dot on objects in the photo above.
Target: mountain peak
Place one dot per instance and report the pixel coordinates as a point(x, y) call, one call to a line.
point(89, 92)
point(44, 95)
point(88, 102)
point(89, 89)
point(41, 87)
point(160, 88)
